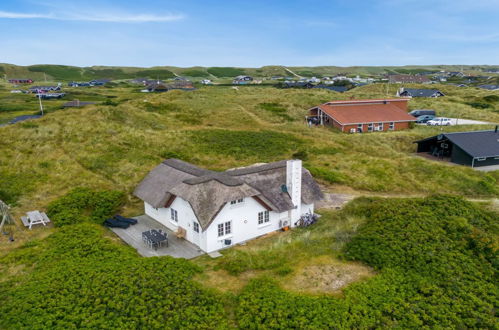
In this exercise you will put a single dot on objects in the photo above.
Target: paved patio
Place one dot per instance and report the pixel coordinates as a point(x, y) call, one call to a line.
point(178, 248)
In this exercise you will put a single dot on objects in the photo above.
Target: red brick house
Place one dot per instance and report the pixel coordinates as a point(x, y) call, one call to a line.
point(364, 115)
point(21, 81)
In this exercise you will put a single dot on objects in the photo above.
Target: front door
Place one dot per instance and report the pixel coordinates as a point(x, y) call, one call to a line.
point(196, 231)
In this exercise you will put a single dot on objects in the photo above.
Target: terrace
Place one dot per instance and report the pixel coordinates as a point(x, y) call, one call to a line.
point(177, 247)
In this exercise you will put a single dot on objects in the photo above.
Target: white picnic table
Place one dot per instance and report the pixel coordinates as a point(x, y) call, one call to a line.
point(34, 218)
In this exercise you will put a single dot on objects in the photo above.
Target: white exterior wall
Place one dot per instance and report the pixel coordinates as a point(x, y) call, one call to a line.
point(185, 216)
point(243, 217)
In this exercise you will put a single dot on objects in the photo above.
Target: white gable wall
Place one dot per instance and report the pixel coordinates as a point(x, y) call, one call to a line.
point(244, 224)
point(185, 216)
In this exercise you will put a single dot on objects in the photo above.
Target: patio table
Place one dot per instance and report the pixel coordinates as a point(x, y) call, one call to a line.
point(154, 238)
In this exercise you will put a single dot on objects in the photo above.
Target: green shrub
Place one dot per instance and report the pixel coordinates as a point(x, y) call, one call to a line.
point(327, 175)
point(240, 261)
point(437, 264)
point(79, 279)
point(276, 109)
point(491, 98)
point(29, 124)
point(265, 145)
point(15, 185)
point(110, 103)
point(84, 205)
point(194, 73)
point(225, 72)
point(301, 154)
point(479, 105)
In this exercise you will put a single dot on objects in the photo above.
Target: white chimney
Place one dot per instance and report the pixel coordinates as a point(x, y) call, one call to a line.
point(293, 183)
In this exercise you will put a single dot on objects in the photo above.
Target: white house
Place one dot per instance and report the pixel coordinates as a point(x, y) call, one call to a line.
point(220, 209)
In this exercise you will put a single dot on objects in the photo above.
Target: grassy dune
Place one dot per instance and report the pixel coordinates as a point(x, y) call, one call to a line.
point(294, 279)
point(218, 127)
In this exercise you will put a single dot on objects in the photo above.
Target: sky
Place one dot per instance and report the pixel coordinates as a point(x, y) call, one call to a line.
point(250, 33)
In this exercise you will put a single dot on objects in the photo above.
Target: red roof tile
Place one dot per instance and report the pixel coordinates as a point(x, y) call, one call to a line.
point(365, 113)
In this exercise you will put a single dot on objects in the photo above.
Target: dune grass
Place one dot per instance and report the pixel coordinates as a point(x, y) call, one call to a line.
point(114, 146)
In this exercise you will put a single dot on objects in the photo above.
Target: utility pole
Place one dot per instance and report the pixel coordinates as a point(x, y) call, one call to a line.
point(40, 100)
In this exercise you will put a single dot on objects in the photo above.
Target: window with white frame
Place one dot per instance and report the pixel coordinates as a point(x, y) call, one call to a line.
point(392, 126)
point(263, 217)
point(173, 215)
point(380, 126)
point(370, 127)
point(195, 227)
point(237, 201)
point(224, 228)
point(359, 127)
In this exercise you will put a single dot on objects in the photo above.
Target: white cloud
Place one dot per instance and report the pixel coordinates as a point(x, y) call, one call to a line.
point(116, 18)
point(6, 14)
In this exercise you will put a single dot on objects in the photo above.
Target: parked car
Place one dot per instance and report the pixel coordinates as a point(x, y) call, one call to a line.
point(424, 118)
point(439, 121)
point(421, 112)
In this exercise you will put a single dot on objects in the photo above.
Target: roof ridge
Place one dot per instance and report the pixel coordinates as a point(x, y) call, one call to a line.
point(256, 168)
point(218, 176)
point(185, 167)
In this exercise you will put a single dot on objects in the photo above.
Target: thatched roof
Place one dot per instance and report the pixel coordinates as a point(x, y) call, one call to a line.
point(208, 191)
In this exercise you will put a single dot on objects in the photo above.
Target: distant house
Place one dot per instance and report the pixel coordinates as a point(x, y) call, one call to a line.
point(95, 82)
point(181, 84)
point(78, 84)
point(99, 82)
point(157, 87)
point(297, 84)
point(489, 87)
point(242, 80)
point(414, 92)
point(314, 80)
point(475, 149)
point(363, 115)
point(139, 81)
point(456, 74)
point(215, 210)
point(76, 104)
point(44, 89)
point(339, 89)
point(206, 82)
point(50, 95)
point(21, 81)
point(407, 79)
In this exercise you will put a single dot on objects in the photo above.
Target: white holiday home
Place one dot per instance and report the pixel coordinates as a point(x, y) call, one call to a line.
point(220, 209)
